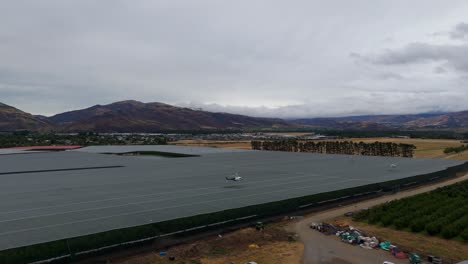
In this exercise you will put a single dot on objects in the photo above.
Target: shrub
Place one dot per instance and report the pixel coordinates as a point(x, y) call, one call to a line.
point(418, 225)
point(464, 234)
point(402, 222)
point(434, 228)
point(450, 231)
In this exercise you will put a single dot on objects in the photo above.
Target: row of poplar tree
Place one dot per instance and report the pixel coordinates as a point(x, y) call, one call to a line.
point(388, 149)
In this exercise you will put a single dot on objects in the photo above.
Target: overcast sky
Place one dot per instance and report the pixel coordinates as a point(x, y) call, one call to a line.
point(263, 58)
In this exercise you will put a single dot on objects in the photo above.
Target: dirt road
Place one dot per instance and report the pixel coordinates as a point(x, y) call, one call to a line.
point(320, 248)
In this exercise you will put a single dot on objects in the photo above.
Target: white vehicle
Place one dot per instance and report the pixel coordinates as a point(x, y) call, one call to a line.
point(388, 262)
point(234, 177)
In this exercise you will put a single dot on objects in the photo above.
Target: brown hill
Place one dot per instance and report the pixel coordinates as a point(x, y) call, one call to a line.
point(385, 122)
point(12, 119)
point(395, 120)
point(450, 120)
point(343, 123)
point(133, 116)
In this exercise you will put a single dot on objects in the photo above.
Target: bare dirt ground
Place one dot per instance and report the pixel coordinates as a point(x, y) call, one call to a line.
point(270, 246)
point(425, 148)
point(319, 248)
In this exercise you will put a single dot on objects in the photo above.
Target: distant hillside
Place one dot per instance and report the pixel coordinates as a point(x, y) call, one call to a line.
point(12, 119)
point(133, 116)
point(340, 123)
point(450, 120)
point(383, 122)
point(387, 119)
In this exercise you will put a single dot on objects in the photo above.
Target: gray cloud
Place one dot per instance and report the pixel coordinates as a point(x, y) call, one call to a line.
point(440, 70)
point(447, 56)
point(460, 31)
point(401, 102)
point(261, 57)
point(452, 55)
point(391, 76)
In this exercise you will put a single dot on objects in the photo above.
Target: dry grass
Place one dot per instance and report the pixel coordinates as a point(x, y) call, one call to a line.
point(274, 248)
point(244, 144)
point(276, 253)
point(425, 148)
point(428, 245)
point(459, 156)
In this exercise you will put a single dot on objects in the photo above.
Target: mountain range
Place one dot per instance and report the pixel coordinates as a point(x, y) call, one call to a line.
point(134, 116)
point(382, 122)
point(131, 117)
point(12, 119)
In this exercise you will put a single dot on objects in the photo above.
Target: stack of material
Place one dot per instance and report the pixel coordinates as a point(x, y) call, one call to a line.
point(325, 228)
point(351, 236)
point(368, 242)
point(398, 253)
point(385, 245)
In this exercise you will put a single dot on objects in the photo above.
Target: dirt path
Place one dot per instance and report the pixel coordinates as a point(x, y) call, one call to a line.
point(319, 248)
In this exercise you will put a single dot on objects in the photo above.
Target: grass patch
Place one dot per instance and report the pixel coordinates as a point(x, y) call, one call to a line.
point(219, 251)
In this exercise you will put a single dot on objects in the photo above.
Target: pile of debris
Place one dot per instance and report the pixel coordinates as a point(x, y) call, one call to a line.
point(347, 234)
point(327, 229)
point(369, 242)
point(351, 235)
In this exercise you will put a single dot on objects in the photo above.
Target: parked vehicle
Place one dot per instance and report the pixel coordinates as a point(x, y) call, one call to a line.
point(414, 258)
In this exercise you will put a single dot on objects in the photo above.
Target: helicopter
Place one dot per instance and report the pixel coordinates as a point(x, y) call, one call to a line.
point(234, 177)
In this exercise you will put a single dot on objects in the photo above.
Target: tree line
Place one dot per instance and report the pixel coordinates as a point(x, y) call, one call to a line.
point(455, 149)
point(392, 133)
point(387, 149)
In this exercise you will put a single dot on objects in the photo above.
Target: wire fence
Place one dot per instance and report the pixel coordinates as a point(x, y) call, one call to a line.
point(138, 241)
